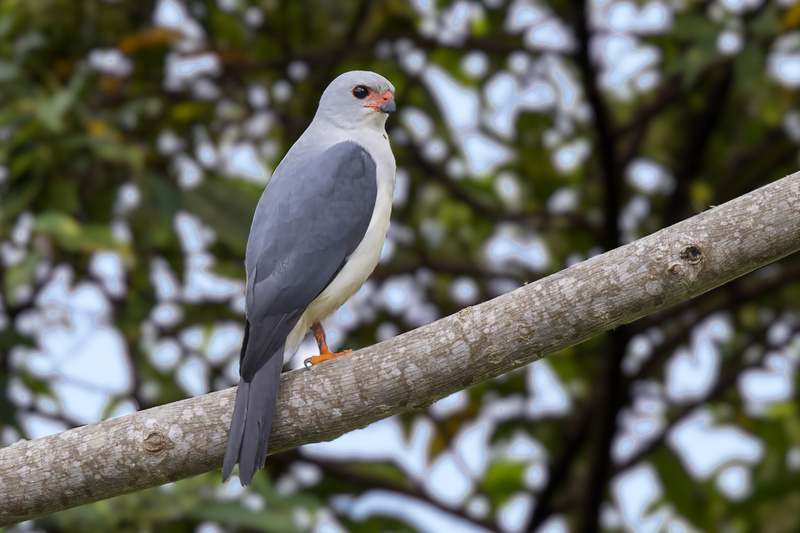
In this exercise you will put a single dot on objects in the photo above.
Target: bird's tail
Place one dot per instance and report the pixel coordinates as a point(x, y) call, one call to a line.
point(252, 421)
point(237, 430)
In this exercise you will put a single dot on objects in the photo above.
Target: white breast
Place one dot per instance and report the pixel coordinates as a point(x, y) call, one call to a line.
point(365, 257)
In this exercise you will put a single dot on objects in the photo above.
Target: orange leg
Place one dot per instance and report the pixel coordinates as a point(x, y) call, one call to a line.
point(324, 351)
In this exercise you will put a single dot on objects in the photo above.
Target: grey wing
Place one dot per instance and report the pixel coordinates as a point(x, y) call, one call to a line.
point(313, 214)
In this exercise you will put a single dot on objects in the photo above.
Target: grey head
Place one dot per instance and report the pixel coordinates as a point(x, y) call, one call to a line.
point(357, 99)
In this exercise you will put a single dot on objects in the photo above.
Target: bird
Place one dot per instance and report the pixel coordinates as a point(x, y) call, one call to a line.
point(316, 236)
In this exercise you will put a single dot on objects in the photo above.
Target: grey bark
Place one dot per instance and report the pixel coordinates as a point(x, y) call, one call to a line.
point(186, 438)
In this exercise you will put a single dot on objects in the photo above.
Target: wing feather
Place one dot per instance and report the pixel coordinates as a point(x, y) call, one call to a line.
point(311, 217)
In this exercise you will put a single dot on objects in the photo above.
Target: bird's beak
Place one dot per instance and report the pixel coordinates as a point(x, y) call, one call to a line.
point(387, 103)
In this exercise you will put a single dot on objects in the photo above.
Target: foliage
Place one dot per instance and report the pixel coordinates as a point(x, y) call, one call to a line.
point(77, 138)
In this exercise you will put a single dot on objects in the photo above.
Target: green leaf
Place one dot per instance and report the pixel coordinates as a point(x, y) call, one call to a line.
point(783, 410)
point(503, 479)
point(378, 524)
point(20, 197)
point(8, 71)
point(748, 61)
point(9, 337)
point(680, 489)
point(51, 112)
point(18, 276)
point(115, 152)
point(71, 235)
point(382, 471)
point(233, 514)
point(7, 22)
point(227, 207)
point(152, 221)
point(190, 111)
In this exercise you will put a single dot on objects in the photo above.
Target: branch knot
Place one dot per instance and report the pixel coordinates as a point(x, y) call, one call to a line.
point(155, 442)
point(691, 254)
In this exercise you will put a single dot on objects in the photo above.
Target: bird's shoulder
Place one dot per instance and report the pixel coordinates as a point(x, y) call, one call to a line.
point(309, 162)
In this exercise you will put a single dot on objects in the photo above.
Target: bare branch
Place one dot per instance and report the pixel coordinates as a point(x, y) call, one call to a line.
point(187, 438)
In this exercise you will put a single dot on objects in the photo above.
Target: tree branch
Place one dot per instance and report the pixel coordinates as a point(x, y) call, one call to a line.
point(186, 438)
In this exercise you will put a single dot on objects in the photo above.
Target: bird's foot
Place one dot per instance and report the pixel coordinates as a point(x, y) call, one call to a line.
point(324, 351)
point(311, 361)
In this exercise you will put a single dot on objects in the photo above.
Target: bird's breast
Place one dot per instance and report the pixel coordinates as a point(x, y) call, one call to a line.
point(364, 258)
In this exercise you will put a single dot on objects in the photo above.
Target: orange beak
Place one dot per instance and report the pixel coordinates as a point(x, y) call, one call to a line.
point(384, 102)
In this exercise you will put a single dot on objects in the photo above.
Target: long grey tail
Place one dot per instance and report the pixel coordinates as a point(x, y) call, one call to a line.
point(252, 421)
point(237, 430)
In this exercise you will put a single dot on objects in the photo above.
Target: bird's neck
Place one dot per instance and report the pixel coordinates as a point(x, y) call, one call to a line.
point(374, 122)
point(322, 134)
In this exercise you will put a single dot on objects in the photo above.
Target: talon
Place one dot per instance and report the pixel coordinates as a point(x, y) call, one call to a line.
point(307, 363)
point(325, 356)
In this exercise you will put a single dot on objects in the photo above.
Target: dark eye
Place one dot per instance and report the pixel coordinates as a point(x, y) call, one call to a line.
point(360, 92)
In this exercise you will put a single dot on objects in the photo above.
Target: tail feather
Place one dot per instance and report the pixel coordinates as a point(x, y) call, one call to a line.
point(262, 395)
point(237, 430)
point(252, 415)
point(239, 414)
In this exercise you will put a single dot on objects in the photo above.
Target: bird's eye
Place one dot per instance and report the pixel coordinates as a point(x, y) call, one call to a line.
point(360, 92)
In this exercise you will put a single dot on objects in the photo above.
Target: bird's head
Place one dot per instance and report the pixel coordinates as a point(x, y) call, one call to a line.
point(356, 99)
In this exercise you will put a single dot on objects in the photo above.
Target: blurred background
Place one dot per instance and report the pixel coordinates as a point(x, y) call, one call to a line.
point(136, 138)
